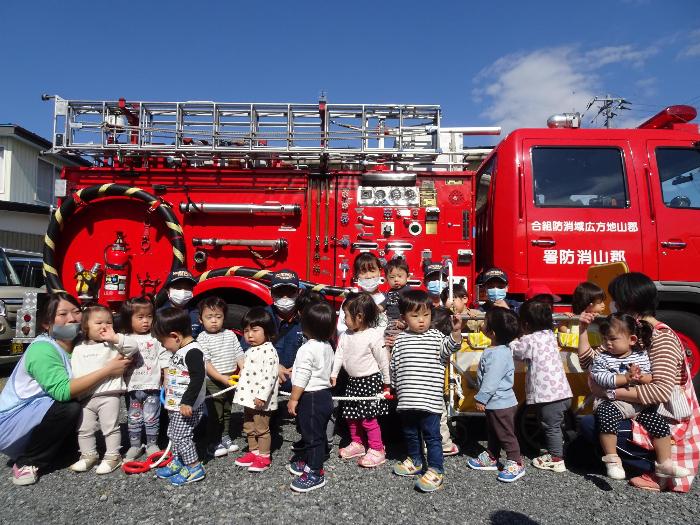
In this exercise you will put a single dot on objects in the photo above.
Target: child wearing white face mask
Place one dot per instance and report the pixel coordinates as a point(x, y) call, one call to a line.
point(180, 287)
point(367, 273)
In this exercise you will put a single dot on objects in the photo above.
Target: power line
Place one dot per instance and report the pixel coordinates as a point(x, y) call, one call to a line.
point(609, 107)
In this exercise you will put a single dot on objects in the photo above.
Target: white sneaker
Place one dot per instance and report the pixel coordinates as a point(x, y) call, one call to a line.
point(230, 445)
point(108, 464)
point(220, 451)
point(133, 453)
point(26, 475)
point(613, 466)
point(84, 464)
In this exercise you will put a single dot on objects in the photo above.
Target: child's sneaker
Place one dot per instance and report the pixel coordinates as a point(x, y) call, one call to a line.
point(169, 470)
point(108, 464)
point(85, 463)
point(260, 464)
point(229, 444)
point(483, 461)
point(296, 467)
point(26, 475)
point(217, 451)
point(133, 453)
point(668, 469)
point(152, 448)
point(512, 471)
point(430, 481)
point(407, 468)
point(450, 451)
point(549, 462)
point(246, 460)
point(353, 450)
point(308, 481)
point(372, 459)
point(188, 475)
point(613, 466)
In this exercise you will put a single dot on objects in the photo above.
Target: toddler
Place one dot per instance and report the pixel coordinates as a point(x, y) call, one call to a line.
point(362, 354)
point(257, 388)
point(417, 370)
point(144, 378)
point(367, 271)
point(311, 400)
point(184, 394)
point(101, 406)
point(590, 298)
point(624, 362)
point(496, 397)
point(546, 386)
point(397, 273)
point(222, 356)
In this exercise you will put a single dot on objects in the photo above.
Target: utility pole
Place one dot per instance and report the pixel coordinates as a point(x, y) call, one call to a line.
point(608, 107)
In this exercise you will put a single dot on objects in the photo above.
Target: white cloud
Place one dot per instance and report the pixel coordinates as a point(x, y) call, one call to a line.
point(692, 50)
point(523, 90)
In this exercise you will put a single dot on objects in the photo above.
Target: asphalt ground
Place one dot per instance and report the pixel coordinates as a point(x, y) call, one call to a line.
point(230, 494)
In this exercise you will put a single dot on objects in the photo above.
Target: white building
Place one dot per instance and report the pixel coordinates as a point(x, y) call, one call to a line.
point(27, 187)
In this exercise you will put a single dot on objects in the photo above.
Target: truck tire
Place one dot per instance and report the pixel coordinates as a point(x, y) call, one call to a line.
point(234, 316)
point(687, 326)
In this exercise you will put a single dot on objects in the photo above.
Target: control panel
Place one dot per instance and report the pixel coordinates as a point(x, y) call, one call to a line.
point(388, 196)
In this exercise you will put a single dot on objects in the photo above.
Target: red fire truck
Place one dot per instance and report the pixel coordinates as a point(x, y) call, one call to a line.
point(233, 191)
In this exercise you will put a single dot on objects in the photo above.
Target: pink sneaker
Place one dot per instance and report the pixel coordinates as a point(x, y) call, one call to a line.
point(27, 475)
point(260, 464)
point(246, 460)
point(353, 450)
point(372, 459)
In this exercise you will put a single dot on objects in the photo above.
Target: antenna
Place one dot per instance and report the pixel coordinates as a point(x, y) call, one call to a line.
point(608, 107)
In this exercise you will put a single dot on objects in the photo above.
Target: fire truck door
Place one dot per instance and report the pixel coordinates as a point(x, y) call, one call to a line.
point(581, 209)
point(674, 174)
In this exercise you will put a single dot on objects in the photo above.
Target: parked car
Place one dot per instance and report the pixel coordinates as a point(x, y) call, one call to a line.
point(28, 267)
point(11, 297)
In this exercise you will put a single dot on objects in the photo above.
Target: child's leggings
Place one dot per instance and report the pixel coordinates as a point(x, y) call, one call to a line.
point(366, 428)
point(102, 411)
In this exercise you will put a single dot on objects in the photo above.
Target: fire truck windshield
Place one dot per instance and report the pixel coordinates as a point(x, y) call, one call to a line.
point(679, 172)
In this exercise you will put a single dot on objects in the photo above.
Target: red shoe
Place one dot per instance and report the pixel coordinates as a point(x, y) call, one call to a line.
point(646, 482)
point(246, 460)
point(260, 464)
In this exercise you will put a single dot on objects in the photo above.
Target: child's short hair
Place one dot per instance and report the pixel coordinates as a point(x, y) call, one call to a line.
point(259, 316)
point(318, 321)
point(366, 262)
point(458, 290)
point(306, 297)
point(361, 303)
point(171, 320)
point(397, 263)
point(212, 302)
point(128, 309)
point(586, 293)
point(89, 312)
point(535, 316)
point(442, 319)
point(413, 300)
point(503, 322)
point(633, 326)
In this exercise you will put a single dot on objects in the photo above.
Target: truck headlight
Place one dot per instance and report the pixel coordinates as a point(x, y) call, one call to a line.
point(3, 310)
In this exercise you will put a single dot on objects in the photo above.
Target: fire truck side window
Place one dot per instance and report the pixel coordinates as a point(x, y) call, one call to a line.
point(483, 184)
point(679, 173)
point(579, 177)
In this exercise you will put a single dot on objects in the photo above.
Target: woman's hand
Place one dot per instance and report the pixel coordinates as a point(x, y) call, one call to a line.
point(292, 407)
point(597, 390)
point(585, 320)
point(284, 374)
point(117, 365)
point(186, 410)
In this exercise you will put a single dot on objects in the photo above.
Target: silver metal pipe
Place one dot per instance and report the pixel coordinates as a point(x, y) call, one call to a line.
point(252, 209)
point(270, 243)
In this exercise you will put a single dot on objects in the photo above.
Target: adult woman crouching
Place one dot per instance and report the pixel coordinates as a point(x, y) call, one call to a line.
point(38, 411)
point(635, 294)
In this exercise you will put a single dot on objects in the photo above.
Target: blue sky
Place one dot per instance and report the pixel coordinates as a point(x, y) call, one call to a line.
point(485, 62)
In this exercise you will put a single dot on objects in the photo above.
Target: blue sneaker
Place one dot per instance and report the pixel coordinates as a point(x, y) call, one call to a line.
point(308, 481)
point(296, 467)
point(483, 461)
point(512, 471)
point(169, 470)
point(188, 475)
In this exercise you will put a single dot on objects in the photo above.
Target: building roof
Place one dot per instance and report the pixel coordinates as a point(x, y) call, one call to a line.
point(25, 208)
point(10, 130)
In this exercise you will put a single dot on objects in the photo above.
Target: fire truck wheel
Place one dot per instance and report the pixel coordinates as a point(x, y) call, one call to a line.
point(234, 316)
point(687, 326)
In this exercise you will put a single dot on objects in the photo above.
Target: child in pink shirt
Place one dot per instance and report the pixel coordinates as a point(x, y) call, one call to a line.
point(546, 385)
point(362, 354)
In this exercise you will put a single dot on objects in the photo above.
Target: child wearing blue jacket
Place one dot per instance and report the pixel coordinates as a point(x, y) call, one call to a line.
point(496, 397)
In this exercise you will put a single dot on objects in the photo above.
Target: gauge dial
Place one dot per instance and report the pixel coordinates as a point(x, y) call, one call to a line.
point(380, 195)
point(395, 194)
point(410, 194)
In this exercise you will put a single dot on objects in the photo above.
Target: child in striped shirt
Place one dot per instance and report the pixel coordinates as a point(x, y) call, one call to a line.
point(417, 371)
point(223, 356)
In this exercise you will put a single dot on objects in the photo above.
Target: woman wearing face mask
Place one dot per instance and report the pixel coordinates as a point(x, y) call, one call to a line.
point(435, 278)
point(180, 287)
point(367, 274)
point(37, 408)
